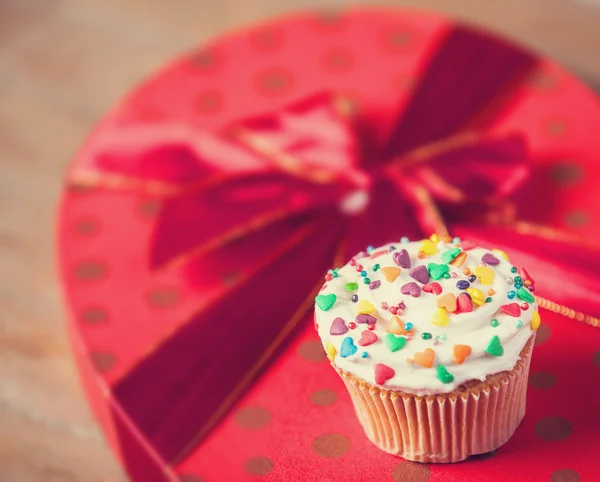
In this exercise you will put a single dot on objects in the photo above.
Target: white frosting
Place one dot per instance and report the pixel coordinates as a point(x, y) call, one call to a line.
point(470, 328)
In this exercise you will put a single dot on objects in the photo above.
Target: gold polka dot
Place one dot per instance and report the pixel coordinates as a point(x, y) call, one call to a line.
point(77, 188)
point(190, 478)
point(411, 472)
point(553, 429)
point(86, 227)
point(93, 315)
point(543, 334)
point(576, 219)
point(150, 208)
point(347, 105)
point(328, 17)
point(267, 39)
point(258, 466)
point(323, 398)
point(90, 271)
point(203, 60)
point(542, 380)
point(163, 297)
point(400, 38)
point(103, 360)
point(565, 173)
point(253, 418)
point(208, 102)
point(542, 81)
point(555, 127)
point(331, 445)
point(485, 456)
point(274, 81)
point(337, 60)
point(564, 475)
point(312, 351)
point(596, 358)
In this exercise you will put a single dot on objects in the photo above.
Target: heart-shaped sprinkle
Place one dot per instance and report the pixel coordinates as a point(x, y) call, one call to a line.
point(338, 327)
point(467, 245)
point(428, 247)
point(420, 273)
point(411, 289)
point(448, 256)
point(464, 303)
point(440, 317)
point(424, 358)
point(402, 258)
point(489, 258)
point(364, 318)
point(435, 238)
point(448, 301)
point(460, 353)
point(367, 338)
point(499, 252)
point(485, 275)
point(330, 350)
point(351, 286)
point(325, 302)
point(535, 320)
point(444, 375)
point(396, 326)
point(365, 307)
point(477, 296)
point(525, 275)
point(348, 347)
point(394, 343)
point(433, 287)
point(494, 347)
point(525, 295)
point(383, 373)
point(374, 284)
point(437, 271)
point(460, 259)
point(512, 309)
point(390, 273)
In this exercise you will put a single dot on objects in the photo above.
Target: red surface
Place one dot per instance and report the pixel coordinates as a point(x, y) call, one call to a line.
point(121, 266)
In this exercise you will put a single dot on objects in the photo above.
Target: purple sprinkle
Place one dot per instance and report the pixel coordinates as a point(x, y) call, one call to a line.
point(368, 319)
point(462, 284)
point(402, 258)
point(421, 274)
point(374, 284)
point(338, 327)
point(412, 289)
point(490, 259)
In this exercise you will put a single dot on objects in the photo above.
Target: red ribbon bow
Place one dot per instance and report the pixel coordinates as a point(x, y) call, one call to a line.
point(272, 202)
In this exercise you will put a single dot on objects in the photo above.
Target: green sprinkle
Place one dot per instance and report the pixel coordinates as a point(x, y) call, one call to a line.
point(525, 295)
point(437, 271)
point(426, 336)
point(495, 323)
point(444, 375)
point(446, 276)
point(366, 281)
point(519, 324)
point(513, 270)
point(448, 256)
point(494, 347)
point(456, 240)
point(335, 274)
point(517, 279)
point(488, 299)
point(394, 343)
point(325, 302)
point(376, 267)
point(351, 286)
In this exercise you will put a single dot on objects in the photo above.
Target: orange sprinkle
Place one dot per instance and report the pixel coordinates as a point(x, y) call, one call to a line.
point(460, 353)
point(527, 282)
point(425, 358)
point(491, 292)
point(466, 271)
point(420, 255)
point(409, 333)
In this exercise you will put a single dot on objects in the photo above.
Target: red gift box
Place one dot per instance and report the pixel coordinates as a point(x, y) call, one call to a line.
point(207, 187)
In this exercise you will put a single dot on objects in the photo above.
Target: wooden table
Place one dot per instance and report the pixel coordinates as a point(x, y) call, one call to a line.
point(62, 64)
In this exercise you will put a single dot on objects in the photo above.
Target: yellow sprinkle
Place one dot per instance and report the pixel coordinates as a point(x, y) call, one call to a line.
point(331, 351)
point(477, 296)
point(428, 247)
point(365, 307)
point(499, 252)
point(535, 320)
point(434, 238)
point(485, 274)
point(440, 317)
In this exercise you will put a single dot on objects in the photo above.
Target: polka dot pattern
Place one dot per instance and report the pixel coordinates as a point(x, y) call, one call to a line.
point(312, 351)
point(542, 380)
point(90, 271)
point(204, 60)
point(103, 361)
point(268, 39)
point(93, 315)
point(577, 219)
point(596, 358)
point(411, 472)
point(274, 82)
point(258, 466)
point(252, 418)
point(150, 208)
point(331, 445)
point(565, 475)
point(566, 174)
point(323, 398)
point(553, 429)
point(163, 297)
point(86, 227)
point(543, 334)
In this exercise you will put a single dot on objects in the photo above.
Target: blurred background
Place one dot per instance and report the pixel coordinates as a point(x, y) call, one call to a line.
point(63, 63)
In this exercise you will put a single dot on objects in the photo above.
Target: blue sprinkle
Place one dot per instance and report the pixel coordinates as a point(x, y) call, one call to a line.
point(462, 284)
point(518, 285)
point(456, 240)
point(404, 240)
point(364, 354)
point(366, 281)
point(363, 273)
point(370, 249)
point(511, 294)
point(408, 326)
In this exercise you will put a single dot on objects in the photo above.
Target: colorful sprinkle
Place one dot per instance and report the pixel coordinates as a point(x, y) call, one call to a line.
point(437, 271)
point(384, 306)
point(354, 298)
point(524, 306)
point(513, 270)
point(494, 323)
point(370, 249)
point(411, 289)
point(395, 326)
point(460, 259)
point(352, 325)
point(435, 238)
point(444, 375)
point(426, 336)
point(472, 278)
point(428, 247)
point(348, 347)
point(477, 296)
point(519, 324)
point(464, 303)
point(490, 259)
point(462, 284)
point(367, 338)
point(376, 267)
point(330, 350)
point(402, 258)
point(440, 317)
point(383, 373)
point(421, 274)
point(351, 286)
point(494, 347)
point(448, 256)
point(460, 353)
point(364, 354)
point(511, 294)
point(525, 295)
point(535, 320)
point(468, 245)
point(363, 273)
point(404, 240)
point(394, 343)
point(499, 252)
point(367, 281)
point(338, 327)
point(421, 255)
point(390, 273)
point(513, 309)
point(491, 292)
point(466, 271)
point(325, 302)
point(485, 275)
point(364, 318)
point(456, 240)
point(365, 307)
point(488, 300)
point(425, 358)
point(408, 326)
point(448, 302)
point(434, 288)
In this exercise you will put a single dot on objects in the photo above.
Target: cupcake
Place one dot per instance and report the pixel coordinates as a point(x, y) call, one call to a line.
point(433, 341)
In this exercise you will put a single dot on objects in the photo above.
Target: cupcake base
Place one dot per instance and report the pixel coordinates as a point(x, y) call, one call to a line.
point(476, 418)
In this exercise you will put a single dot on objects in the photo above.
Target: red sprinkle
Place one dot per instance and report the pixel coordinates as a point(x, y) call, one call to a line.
point(371, 327)
point(511, 309)
point(525, 306)
point(328, 276)
point(384, 305)
point(359, 267)
point(352, 262)
point(352, 325)
point(393, 310)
